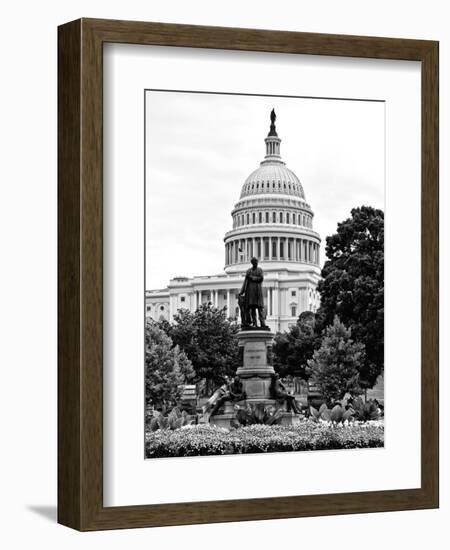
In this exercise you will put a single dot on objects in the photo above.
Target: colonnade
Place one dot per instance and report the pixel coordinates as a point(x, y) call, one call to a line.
point(273, 216)
point(204, 296)
point(272, 249)
point(201, 297)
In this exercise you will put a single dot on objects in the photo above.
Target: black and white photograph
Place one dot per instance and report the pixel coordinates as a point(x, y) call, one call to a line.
point(264, 273)
point(232, 225)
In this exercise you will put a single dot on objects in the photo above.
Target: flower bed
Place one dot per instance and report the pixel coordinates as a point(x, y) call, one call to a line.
point(202, 440)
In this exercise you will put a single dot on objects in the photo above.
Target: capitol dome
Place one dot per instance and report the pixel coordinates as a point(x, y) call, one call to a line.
point(272, 219)
point(272, 177)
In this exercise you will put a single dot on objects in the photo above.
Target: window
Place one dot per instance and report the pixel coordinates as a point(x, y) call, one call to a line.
point(274, 217)
point(288, 218)
point(248, 218)
point(182, 299)
point(293, 311)
point(293, 293)
point(149, 308)
point(274, 249)
point(266, 249)
point(281, 250)
point(267, 217)
point(281, 217)
point(162, 308)
point(260, 217)
point(254, 218)
point(293, 218)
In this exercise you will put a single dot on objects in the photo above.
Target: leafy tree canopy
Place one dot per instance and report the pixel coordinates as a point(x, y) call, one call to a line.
point(353, 285)
point(335, 366)
point(293, 349)
point(209, 340)
point(166, 368)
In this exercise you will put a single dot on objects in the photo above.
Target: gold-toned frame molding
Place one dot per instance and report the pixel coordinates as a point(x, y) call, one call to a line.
point(80, 274)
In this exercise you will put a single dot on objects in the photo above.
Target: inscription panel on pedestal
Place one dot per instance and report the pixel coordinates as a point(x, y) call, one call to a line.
point(255, 354)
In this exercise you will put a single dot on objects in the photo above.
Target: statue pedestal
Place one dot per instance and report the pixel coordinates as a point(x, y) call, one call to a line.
point(256, 371)
point(256, 375)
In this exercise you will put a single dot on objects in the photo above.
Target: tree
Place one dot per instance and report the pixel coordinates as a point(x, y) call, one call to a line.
point(353, 285)
point(335, 366)
point(293, 349)
point(209, 340)
point(166, 368)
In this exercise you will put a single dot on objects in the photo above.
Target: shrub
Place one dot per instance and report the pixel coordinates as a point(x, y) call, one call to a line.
point(366, 411)
point(173, 421)
point(257, 414)
point(201, 440)
point(337, 414)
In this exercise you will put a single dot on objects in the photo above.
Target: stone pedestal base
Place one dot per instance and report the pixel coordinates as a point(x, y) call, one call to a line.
point(221, 420)
point(224, 420)
point(257, 370)
point(256, 375)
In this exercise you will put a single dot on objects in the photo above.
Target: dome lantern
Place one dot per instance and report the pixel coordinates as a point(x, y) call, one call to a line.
point(272, 141)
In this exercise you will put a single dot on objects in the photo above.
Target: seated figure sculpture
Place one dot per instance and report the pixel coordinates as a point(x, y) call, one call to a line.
point(234, 392)
point(216, 396)
point(280, 392)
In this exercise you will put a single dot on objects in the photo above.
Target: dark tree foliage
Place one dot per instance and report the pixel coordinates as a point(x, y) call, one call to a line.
point(353, 285)
point(335, 366)
point(166, 368)
point(292, 349)
point(209, 340)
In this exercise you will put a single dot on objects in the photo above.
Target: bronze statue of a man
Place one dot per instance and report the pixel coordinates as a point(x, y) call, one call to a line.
point(251, 297)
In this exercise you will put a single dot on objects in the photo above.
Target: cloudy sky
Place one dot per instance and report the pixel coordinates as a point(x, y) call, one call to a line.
point(200, 148)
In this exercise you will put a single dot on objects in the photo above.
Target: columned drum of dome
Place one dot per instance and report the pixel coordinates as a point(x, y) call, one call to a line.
point(272, 219)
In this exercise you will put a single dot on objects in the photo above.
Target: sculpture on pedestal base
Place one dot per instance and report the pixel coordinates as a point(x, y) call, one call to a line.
point(256, 382)
point(251, 298)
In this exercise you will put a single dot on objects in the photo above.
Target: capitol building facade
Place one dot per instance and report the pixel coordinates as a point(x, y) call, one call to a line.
point(273, 222)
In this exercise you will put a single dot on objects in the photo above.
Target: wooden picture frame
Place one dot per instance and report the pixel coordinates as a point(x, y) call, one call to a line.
point(80, 272)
